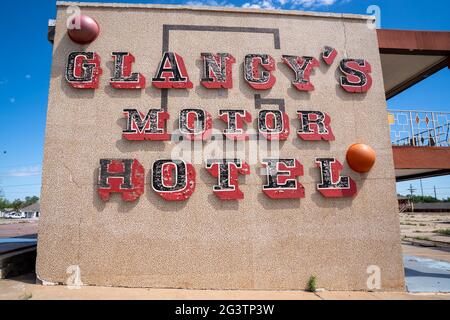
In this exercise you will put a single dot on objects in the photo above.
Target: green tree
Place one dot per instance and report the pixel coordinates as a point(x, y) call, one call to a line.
point(4, 203)
point(17, 204)
point(426, 199)
point(30, 200)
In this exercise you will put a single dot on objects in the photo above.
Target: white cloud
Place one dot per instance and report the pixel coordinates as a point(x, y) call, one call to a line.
point(213, 3)
point(25, 171)
point(312, 3)
point(265, 4)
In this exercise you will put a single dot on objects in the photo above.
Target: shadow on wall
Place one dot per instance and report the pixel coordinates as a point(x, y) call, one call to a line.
point(160, 203)
point(303, 144)
point(245, 89)
point(344, 95)
point(208, 93)
point(338, 203)
point(274, 204)
point(64, 48)
point(108, 71)
point(132, 146)
point(99, 204)
point(289, 76)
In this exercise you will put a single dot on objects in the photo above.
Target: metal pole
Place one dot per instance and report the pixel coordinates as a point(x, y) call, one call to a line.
point(421, 187)
point(411, 190)
point(435, 133)
point(435, 196)
point(412, 130)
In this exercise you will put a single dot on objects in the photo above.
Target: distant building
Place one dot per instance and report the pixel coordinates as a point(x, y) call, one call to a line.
point(432, 207)
point(404, 204)
point(32, 211)
point(5, 213)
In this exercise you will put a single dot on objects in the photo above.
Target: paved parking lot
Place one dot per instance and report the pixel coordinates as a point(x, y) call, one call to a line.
point(17, 228)
point(427, 272)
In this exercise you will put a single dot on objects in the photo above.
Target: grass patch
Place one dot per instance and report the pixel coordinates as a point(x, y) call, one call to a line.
point(443, 232)
point(422, 238)
point(27, 296)
point(312, 284)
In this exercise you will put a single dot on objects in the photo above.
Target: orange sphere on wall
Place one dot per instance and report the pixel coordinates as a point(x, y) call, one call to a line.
point(360, 157)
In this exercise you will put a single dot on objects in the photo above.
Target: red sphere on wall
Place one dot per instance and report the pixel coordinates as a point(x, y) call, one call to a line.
point(360, 157)
point(85, 31)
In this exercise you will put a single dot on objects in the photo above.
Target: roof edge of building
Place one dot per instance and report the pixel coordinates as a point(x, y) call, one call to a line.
point(218, 9)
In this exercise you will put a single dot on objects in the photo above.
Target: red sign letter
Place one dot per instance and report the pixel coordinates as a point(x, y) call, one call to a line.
point(333, 185)
point(226, 171)
point(357, 77)
point(123, 77)
point(173, 180)
point(314, 125)
point(125, 176)
point(273, 124)
point(281, 179)
point(150, 127)
point(217, 71)
point(235, 123)
point(259, 80)
point(195, 124)
point(328, 55)
point(171, 73)
point(83, 70)
point(302, 67)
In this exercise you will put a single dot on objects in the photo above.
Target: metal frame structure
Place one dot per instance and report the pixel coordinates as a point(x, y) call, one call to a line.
point(419, 128)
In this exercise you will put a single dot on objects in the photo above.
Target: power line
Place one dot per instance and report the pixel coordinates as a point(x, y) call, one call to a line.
point(436, 187)
point(21, 165)
point(13, 196)
point(20, 185)
point(431, 188)
point(411, 190)
point(21, 176)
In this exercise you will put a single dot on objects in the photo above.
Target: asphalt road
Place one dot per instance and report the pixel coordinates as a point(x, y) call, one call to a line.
point(426, 275)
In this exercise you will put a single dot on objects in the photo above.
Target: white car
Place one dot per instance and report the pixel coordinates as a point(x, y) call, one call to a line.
point(15, 215)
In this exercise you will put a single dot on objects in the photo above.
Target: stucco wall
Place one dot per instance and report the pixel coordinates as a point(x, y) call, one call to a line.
point(256, 243)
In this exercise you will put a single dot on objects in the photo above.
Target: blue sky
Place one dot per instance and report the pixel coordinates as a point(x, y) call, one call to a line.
point(24, 76)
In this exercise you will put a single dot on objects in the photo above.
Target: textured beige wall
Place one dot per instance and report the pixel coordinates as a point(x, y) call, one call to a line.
point(256, 243)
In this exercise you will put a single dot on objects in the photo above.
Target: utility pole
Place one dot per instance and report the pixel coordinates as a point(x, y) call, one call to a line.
point(435, 196)
point(411, 190)
point(421, 188)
